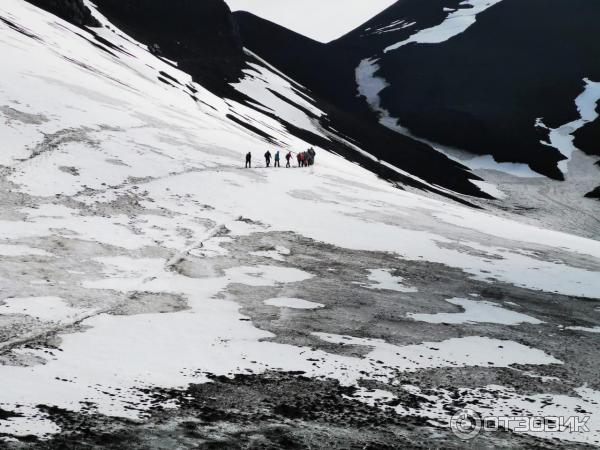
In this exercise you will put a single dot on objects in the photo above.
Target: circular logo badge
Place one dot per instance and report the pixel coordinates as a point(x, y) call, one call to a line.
point(466, 424)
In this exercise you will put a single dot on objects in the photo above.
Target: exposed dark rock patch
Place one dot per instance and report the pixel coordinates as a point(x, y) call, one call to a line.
point(594, 194)
point(70, 170)
point(55, 140)
point(19, 29)
point(13, 114)
point(587, 138)
point(253, 129)
point(169, 77)
point(4, 415)
point(268, 411)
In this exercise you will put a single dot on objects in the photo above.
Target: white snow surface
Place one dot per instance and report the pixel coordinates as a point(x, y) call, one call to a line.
point(278, 254)
point(490, 189)
point(51, 309)
point(584, 329)
point(466, 351)
point(260, 84)
point(456, 22)
point(383, 279)
point(477, 312)
point(119, 133)
point(370, 86)
point(293, 303)
point(21, 250)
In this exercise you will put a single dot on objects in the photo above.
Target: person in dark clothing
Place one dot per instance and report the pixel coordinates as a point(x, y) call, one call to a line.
point(248, 160)
point(288, 158)
point(268, 158)
point(298, 157)
point(277, 159)
point(311, 156)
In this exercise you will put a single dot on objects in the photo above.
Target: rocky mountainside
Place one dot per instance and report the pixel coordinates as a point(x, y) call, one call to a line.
point(200, 36)
point(322, 70)
point(73, 11)
point(486, 77)
point(587, 138)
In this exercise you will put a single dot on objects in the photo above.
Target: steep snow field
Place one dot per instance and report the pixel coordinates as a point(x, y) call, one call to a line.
point(457, 22)
point(113, 181)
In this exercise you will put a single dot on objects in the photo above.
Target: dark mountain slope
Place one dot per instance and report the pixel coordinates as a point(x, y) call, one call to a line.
point(587, 138)
point(394, 24)
point(594, 194)
point(328, 73)
point(200, 35)
point(329, 69)
point(330, 77)
point(484, 89)
point(480, 91)
point(73, 11)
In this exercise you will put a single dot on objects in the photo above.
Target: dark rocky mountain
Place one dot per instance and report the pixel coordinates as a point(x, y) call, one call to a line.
point(594, 194)
point(73, 11)
point(536, 55)
point(200, 35)
point(587, 138)
point(330, 77)
point(480, 91)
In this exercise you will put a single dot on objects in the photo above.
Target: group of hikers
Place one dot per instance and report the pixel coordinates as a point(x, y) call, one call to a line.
point(304, 159)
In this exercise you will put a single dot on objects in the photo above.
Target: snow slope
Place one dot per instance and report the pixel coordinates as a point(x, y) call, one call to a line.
point(113, 180)
point(456, 22)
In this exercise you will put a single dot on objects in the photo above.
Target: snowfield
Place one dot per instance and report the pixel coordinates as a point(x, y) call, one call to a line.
point(138, 254)
point(456, 23)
